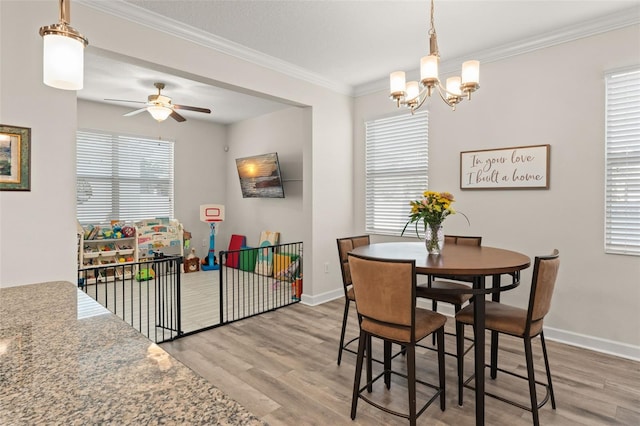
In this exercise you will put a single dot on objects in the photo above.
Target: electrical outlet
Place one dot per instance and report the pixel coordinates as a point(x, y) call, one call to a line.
point(326, 267)
point(204, 242)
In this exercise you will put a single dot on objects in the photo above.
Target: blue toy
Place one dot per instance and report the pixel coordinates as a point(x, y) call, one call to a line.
point(211, 265)
point(211, 214)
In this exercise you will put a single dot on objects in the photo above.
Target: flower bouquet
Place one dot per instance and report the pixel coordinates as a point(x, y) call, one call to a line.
point(432, 210)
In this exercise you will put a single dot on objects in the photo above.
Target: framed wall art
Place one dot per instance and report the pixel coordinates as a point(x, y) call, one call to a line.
point(15, 158)
point(523, 167)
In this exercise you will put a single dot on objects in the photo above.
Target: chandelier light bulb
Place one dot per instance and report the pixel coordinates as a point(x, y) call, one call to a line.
point(429, 68)
point(471, 72)
point(397, 83)
point(413, 91)
point(453, 86)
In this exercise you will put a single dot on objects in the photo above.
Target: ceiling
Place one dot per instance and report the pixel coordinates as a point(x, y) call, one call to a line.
point(348, 46)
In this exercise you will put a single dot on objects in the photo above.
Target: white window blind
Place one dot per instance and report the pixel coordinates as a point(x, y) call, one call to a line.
point(622, 192)
point(124, 178)
point(396, 170)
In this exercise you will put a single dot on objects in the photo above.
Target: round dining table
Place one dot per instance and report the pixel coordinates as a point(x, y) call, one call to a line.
point(478, 262)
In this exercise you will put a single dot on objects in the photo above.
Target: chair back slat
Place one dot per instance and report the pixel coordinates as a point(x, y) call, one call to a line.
point(542, 285)
point(345, 245)
point(384, 289)
point(463, 240)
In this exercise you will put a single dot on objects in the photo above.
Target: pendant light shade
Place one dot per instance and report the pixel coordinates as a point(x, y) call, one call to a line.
point(63, 62)
point(63, 53)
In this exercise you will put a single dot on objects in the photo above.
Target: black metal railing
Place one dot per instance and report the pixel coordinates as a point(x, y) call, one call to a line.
point(149, 296)
point(146, 295)
point(258, 280)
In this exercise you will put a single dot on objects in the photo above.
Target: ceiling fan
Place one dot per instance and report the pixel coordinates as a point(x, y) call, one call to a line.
point(160, 106)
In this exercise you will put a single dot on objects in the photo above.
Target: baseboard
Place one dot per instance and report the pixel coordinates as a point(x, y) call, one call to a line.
point(622, 350)
point(610, 347)
point(322, 298)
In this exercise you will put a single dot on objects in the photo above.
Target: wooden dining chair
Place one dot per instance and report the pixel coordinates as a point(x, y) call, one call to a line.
point(523, 323)
point(435, 282)
point(345, 245)
point(385, 291)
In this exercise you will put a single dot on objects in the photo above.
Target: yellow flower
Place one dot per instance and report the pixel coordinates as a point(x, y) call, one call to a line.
point(432, 209)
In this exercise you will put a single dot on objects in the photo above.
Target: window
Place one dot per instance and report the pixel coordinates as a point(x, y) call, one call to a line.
point(122, 177)
point(622, 182)
point(396, 170)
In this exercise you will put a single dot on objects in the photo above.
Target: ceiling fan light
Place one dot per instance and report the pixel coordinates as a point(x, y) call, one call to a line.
point(159, 112)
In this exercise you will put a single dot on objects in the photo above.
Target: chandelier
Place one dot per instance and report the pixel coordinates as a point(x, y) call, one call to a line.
point(413, 94)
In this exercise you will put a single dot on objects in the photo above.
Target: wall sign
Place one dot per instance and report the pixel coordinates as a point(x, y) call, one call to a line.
point(522, 167)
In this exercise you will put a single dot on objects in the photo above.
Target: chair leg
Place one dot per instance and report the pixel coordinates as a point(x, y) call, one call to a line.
point(434, 308)
point(387, 364)
point(411, 377)
point(369, 363)
point(546, 365)
point(443, 398)
point(532, 380)
point(344, 328)
point(460, 358)
point(362, 341)
point(494, 354)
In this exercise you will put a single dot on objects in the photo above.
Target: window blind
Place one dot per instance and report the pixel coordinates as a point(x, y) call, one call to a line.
point(622, 185)
point(396, 170)
point(124, 178)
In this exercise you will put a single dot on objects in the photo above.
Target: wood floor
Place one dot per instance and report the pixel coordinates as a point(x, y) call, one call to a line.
point(282, 367)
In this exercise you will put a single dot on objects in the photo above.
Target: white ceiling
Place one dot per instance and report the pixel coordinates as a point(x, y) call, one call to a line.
point(349, 46)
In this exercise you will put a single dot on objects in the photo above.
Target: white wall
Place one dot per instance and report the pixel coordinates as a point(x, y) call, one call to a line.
point(285, 132)
point(52, 115)
point(37, 228)
point(199, 171)
point(553, 96)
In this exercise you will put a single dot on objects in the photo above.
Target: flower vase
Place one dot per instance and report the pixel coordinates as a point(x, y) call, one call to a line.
point(434, 238)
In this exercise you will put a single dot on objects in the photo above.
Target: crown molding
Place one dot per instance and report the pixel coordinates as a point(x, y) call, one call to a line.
point(584, 29)
point(146, 18)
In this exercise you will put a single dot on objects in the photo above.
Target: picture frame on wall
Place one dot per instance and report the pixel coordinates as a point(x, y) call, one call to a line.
point(521, 167)
point(15, 158)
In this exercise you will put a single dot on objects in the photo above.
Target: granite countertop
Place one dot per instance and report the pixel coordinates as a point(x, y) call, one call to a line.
point(64, 359)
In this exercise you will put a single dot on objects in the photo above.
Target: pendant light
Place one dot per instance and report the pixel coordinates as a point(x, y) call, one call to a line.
point(63, 59)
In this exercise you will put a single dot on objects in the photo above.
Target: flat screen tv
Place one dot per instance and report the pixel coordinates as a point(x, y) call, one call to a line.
point(260, 176)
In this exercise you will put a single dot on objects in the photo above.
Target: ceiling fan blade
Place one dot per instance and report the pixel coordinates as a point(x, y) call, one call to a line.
point(123, 100)
point(177, 116)
point(190, 108)
point(134, 112)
